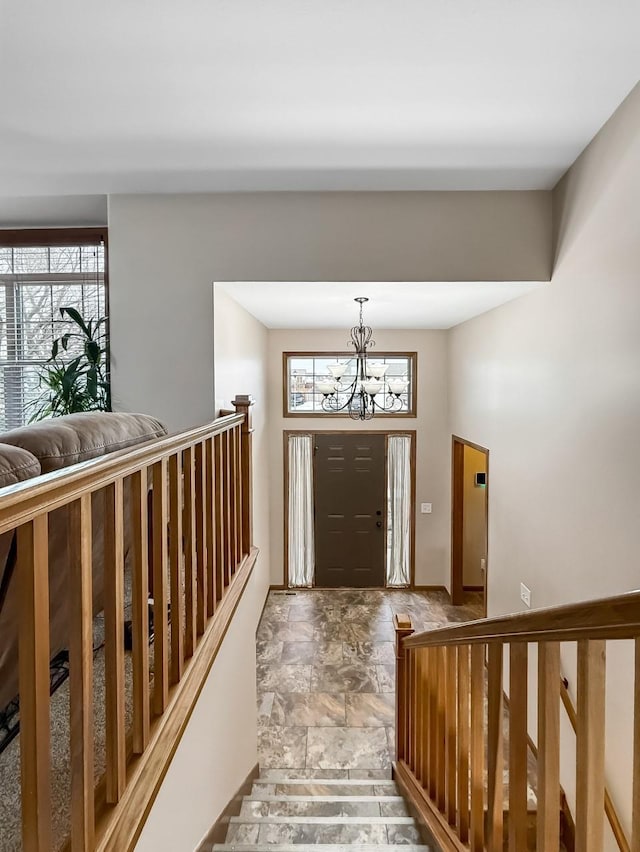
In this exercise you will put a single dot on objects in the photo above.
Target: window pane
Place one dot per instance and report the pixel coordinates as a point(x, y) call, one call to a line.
point(305, 371)
point(30, 261)
point(64, 259)
point(6, 261)
point(42, 280)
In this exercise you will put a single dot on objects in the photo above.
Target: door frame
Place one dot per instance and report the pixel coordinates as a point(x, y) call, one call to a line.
point(457, 519)
point(411, 433)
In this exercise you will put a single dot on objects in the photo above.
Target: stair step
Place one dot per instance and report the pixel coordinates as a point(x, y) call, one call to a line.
point(265, 797)
point(311, 831)
point(323, 788)
point(346, 782)
point(356, 806)
point(322, 820)
point(321, 847)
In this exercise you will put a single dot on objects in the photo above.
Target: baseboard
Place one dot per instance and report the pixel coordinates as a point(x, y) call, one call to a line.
point(431, 589)
point(218, 833)
point(424, 811)
point(473, 588)
point(274, 588)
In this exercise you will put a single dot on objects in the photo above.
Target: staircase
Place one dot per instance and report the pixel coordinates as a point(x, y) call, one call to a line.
point(283, 814)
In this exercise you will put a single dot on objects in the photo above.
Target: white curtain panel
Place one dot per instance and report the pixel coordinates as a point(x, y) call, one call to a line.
point(301, 545)
point(399, 495)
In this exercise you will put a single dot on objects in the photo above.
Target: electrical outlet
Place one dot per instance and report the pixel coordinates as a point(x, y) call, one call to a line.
point(525, 595)
point(425, 508)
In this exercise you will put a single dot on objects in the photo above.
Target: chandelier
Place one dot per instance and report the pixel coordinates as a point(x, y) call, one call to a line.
point(367, 392)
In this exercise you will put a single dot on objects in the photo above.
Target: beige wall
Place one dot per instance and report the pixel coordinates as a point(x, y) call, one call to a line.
point(550, 383)
point(433, 442)
point(219, 747)
point(165, 251)
point(240, 357)
point(474, 532)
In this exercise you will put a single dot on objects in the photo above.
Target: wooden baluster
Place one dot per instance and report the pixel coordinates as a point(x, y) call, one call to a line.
point(635, 839)
point(140, 610)
point(233, 521)
point(160, 559)
point(548, 821)
point(221, 574)
point(590, 737)
point(416, 711)
point(420, 695)
point(201, 547)
point(35, 746)
point(212, 595)
point(81, 674)
point(189, 531)
point(434, 674)
point(237, 476)
point(243, 405)
point(464, 725)
point(495, 756)
point(409, 703)
point(518, 673)
point(228, 531)
point(402, 625)
point(175, 565)
point(441, 736)
point(116, 768)
point(477, 755)
point(426, 707)
point(451, 730)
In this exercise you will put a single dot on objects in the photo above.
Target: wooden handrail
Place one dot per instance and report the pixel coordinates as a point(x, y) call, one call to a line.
point(26, 500)
point(607, 618)
point(178, 510)
point(450, 683)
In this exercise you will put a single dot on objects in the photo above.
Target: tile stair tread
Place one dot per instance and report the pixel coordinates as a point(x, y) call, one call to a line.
point(322, 820)
point(322, 782)
point(265, 797)
point(320, 847)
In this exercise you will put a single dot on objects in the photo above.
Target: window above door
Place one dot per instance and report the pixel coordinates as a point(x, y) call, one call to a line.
point(303, 370)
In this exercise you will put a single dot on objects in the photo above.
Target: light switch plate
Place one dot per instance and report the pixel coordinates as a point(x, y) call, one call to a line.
point(525, 595)
point(425, 508)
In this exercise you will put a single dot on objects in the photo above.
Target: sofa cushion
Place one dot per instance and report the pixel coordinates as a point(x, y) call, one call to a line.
point(63, 441)
point(16, 465)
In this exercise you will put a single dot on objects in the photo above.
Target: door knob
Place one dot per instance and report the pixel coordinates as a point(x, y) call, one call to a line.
point(378, 523)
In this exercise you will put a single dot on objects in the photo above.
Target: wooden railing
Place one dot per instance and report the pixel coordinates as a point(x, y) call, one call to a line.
point(450, 740)
point(182, 504)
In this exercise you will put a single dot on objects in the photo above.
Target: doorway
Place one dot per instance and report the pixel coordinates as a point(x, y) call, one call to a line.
point(350, 501)
point(349, 509)
point(469, 521)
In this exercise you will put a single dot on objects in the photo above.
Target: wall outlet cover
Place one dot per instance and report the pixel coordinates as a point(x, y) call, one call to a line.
point(425, 508)
point(525, 595)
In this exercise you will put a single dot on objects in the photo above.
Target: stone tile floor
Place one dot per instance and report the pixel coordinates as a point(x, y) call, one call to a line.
point(326, 677)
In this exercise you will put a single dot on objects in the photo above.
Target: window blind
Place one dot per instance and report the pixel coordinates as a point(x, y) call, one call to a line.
point(35, 282)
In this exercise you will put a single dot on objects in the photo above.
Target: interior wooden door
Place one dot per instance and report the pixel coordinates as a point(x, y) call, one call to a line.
point(349, 485)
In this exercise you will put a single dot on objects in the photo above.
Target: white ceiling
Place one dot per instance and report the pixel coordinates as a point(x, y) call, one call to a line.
point(393, 304)
point(205, 95)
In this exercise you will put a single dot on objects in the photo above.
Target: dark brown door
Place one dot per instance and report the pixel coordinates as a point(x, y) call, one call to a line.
point(349, 510)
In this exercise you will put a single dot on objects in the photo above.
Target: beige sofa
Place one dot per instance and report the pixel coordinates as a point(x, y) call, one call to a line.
point(26, 453)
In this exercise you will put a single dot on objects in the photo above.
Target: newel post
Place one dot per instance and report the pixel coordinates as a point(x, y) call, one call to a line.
point(242, 405)
point(403, 628)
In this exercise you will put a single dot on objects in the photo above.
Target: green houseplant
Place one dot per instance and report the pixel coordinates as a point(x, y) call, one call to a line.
point(75, 377)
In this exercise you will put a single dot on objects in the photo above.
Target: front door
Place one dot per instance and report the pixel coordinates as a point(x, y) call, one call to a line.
point(349, 482)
